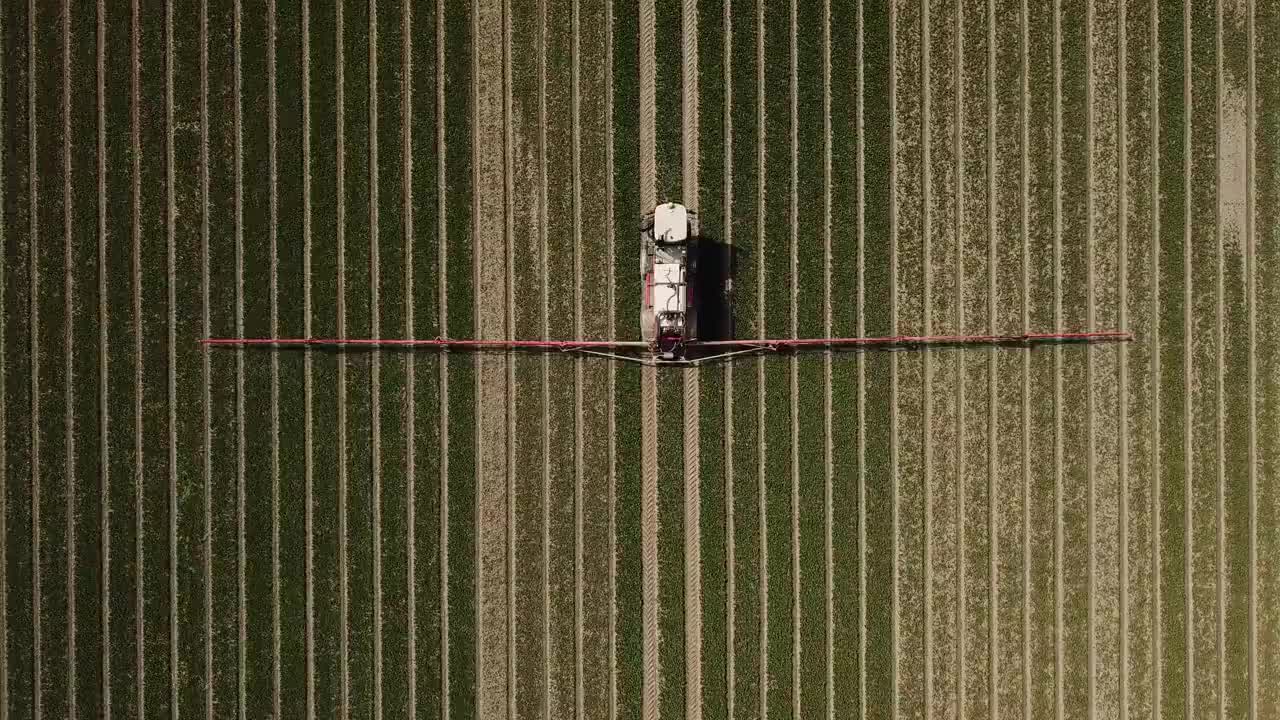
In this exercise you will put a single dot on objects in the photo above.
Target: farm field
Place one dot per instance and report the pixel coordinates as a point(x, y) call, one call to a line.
point(1062, 532)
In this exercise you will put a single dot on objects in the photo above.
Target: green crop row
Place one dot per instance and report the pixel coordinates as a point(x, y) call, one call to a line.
point(741, 225)
point(626, 400)
point(711, 431)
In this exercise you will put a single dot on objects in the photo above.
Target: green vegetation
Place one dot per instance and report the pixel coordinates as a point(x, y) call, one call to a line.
point(879, 423)
point(845, 417)
point(17, 361)
point(596, 265)
point(875, 312)
point(49, 506)
point(259, 433)
point(669, 181)
point(460, 322)
point(776, 256)
point(427, 393)
point(1174, 464)
point(626, 408)
point(810, 149)
point(86, 365)
point(712, 429)
point(530, 452)
point(742, 223)
point(392, 406)
point(291, 281)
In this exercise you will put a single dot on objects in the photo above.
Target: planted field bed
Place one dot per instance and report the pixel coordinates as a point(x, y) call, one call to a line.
point(253, 532)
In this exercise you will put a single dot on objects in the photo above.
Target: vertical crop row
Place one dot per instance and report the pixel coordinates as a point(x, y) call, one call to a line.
point(626, 399)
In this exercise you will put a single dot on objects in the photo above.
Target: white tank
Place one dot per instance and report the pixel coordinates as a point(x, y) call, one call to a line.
point(670, 223)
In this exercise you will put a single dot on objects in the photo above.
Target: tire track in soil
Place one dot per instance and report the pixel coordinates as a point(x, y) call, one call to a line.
point(692, 387)
point(648, 387)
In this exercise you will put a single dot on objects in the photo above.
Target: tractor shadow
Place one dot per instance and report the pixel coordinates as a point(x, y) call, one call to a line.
point(712, 285)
